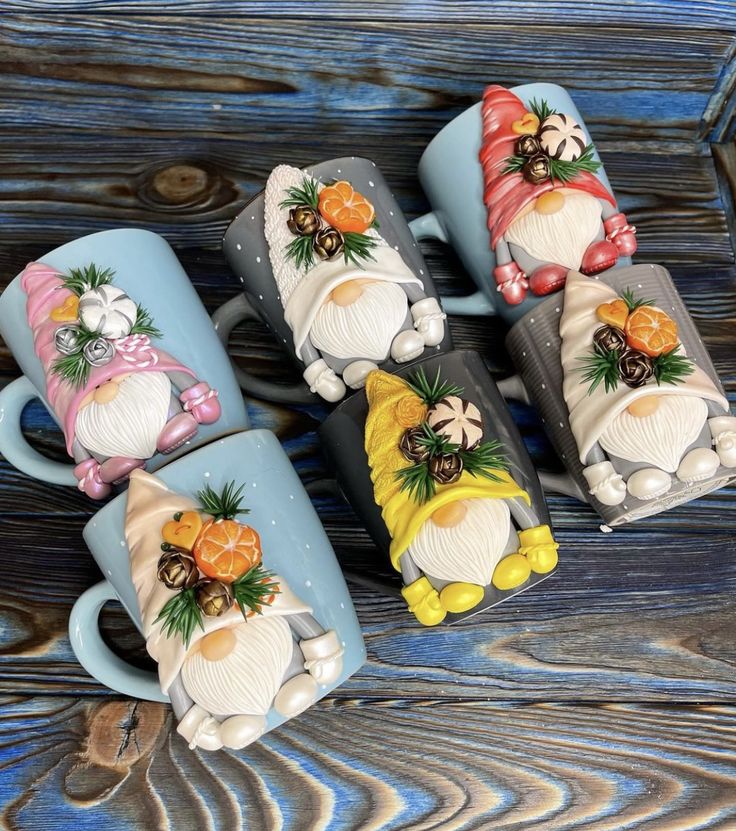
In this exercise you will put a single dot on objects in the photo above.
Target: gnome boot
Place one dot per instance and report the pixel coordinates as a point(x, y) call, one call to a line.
point(539, 547)
point(201, 401)
point(354, 374)
point(238, 732)
point(89, 480)
point(429, 320)
point(698, 465)
point(599, 256)
point(723, 430)
point(649, 483)
point(296, 695)
point(461, 597)
point(511, 572)
point(511, 282)
point(547, 278)
point(605, 484)
point(406, 346)
point(621, 234)
point(116, 469)
point(177, 430)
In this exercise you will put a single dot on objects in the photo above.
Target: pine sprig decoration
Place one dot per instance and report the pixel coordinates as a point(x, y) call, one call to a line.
point(252, 588)
point(435, 442)
point(74, 368)
point(484, 459)
point(307, 194)
point(143, 324)
point(431, 391)
point(180, 615)
point(541, 109)
point(357, 247)
point(672, 368)
point(600, 367)
point(223, 505)
point(566, 171)
point(80, 280)
point(632, 302)
point(416, 480)
point(515, 164)
point(301, 250)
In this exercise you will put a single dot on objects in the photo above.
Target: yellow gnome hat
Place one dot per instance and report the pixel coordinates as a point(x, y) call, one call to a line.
point(392, 408)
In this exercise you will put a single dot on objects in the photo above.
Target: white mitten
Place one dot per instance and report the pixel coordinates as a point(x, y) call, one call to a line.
point(605, 484)
point(323, 657)
point(323, 381)
point(429, 320)
point(723, 430)
point(200, 729)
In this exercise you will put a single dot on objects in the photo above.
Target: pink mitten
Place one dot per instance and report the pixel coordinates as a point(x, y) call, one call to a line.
point(89, 481)
point(201, 402)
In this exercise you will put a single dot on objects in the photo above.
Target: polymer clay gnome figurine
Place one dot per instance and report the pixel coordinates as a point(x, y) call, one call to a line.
point(458, 521)
point(119, 399)
point(547, 211)
point(643, 414)
point(230, 637)
point(349, 298)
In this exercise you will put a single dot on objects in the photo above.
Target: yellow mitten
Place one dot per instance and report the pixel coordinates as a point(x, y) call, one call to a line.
point(539, 547)
point(424, 602)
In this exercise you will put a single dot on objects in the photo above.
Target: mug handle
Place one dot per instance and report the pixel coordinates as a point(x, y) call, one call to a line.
point(225, 319)
point(97, 658)
point(13, 445)
point(428, 226)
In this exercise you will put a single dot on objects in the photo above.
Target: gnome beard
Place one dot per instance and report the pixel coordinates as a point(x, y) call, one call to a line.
point(245, 681)
point(561, 237)
point(129, 425)
point(659, 439)
point(366, 327)
point(469, 551)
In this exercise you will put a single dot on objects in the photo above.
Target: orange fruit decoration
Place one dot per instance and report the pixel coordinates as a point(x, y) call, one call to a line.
point(345, 208)
point(226, 549)
point(651, 331)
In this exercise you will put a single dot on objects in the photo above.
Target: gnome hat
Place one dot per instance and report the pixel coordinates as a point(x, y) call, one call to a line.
point(46, 292)
point(302, 292)
point(506, 194)
point(150, 506)
point(592, 413)
point(388, 395)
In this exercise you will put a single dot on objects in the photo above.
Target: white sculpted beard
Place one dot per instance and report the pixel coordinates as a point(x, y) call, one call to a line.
point(246, 681)
point(131, 423)
point(561, 237)
point(467, 552)
point(660, 439)
point(365, 328)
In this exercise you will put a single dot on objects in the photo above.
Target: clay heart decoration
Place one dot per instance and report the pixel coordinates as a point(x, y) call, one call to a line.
point(613, 313)
point(68, 310)
point(528, 124)
point(183, 532)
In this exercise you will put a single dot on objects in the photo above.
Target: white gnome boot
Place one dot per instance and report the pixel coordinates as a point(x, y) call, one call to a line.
point(323, 381)
point(296, 695)
point(406, 346)
point(698, 465)
point(429, 320)
point(723, 430)
point(354, 374)
point(237, 732)
point(605, 484)
point(649, 483)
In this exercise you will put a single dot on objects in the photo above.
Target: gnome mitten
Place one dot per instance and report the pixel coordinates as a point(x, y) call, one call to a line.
point(118, 468)
point(89, 480)
point(406, 346)
point(200, 729)
point(424, 602)
point(605, 484)
point(323, 381)
point(429, 320)
point(539, 547)
point(621, 234)
point(201, 401)
point(323, 657)
point(599, 256)
point(512, 282)
point(723, 430)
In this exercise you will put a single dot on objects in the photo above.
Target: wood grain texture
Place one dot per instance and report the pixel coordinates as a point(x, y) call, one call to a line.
point(351, 766)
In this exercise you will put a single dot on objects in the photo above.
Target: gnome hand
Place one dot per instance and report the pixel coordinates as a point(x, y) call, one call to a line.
point(723, 430)
point(607, 486)
point(512, 282)
point(621, 234)
point(201, 402)
point(424, 602)
point(323, 657)
point(539, 547)
point(200, 729)
point(429, 320)
point(89, 480)
point(323, 381)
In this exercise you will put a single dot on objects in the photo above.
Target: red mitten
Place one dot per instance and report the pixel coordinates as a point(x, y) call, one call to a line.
point(621, 234)
point(512, 282)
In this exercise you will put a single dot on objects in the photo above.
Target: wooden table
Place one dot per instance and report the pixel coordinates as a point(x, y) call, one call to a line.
point(603, 700)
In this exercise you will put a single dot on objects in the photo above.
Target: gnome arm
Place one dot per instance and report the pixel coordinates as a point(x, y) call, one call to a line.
point(321, 648)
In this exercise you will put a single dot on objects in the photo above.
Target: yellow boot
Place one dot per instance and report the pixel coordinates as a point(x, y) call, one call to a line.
point(511, 572)
point(538, 546)
point(460, 597)
point(424, 602)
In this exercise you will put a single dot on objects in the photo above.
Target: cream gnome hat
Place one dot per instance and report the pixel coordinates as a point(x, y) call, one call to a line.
point(150, 506)
point(302, 292)
point(591, 414)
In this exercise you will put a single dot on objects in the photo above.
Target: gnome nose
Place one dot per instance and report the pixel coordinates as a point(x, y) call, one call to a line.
point(643, 407)
point(106, 392)
point(217, 645)
point(550, 202)
point(347, 293)
point(448, 516)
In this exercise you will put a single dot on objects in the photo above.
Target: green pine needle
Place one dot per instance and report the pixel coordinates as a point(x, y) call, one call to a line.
point(144, 324)
point(515, 164)
point(416, 480)
point(180, 615)
point(541, 109)
point(301, 250)
point(671, 368)
point(565, 171)
point(223, 505)
point(484, 459)
point(74, 368)
point(252, 588)
point(600, 366)
point(307, 194)
point(431, 391)
point(357, 247)
point(632, 303)
point(436, 443)
point(80, 280)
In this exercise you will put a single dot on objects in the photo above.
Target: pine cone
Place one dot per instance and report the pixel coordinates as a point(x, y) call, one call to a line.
point(445, 468)
point(528, 146)
point(536, 170)
point(328, 243)
point(408, 445)
point(635, 368)
point(177, 569)
point(213, 597)
point(304, 221)
point(609, 338)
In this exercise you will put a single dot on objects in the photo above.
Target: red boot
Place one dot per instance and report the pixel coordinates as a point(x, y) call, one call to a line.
point(599, 256)
point(621, 234)
point(512, 282)
point(547, 278)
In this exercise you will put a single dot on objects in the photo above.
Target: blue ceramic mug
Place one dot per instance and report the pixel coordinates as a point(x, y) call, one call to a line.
point(452, 177)
point(111, 336)
point(295, 552)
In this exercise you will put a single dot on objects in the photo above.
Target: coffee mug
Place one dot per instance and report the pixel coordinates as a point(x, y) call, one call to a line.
point(228, 530)
point(452, 176)
point(433, 464)
point(111, 336)
point(327, 260)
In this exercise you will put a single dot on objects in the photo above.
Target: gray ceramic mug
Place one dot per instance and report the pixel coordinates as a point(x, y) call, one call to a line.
point(246, 247)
